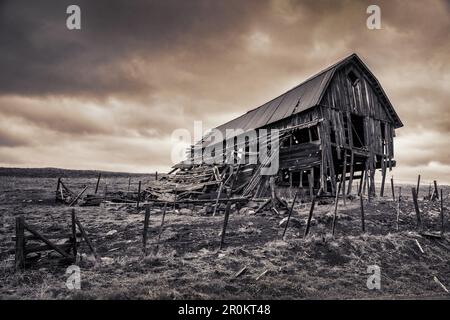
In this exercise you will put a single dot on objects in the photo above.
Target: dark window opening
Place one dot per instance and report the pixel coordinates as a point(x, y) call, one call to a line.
point(358, 131)
point(296, 178)
point(354, 79)
point(301, 136)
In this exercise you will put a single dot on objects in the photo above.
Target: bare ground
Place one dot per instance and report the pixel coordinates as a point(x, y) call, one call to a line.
point(189, 265)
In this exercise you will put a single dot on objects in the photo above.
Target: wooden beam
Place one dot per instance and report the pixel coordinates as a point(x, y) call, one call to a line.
point(217, 199)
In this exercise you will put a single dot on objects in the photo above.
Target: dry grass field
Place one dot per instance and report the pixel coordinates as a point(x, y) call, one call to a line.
point(188, 264)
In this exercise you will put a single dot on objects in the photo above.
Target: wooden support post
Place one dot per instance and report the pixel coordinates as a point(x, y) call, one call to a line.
point(225, 224)
point(344, 174)
point(145, 233)
point(74, 236)
point(418, 185)
point(442, 216)
point(336, 200)
point(311, 183)
point(361, 182)
point(365, 181)
point(86, 239)
point(20, 243)
point(383, 176)
point(392, 188)
point(416, 207)
point(311, 211)
point(98, 182)
point(139, 195)
point(272, 191)
point(290, 214)
point(363, 224)
point(129, 183)
point(47, 241)
point(78, 197)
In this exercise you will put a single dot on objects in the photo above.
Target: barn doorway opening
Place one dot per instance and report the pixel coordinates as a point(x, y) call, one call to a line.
point(359, 140)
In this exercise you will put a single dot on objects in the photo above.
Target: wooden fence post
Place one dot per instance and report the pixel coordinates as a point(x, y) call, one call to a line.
point(156, 176)
point(383, 176)
point(311, 211)
point(398, 208)
point(129, 183)
point(20, 243)
point(363, 223)
point(436, 193)
point(418, 185)
point(416, 207)
point(442, 216)
point(290, 214)
point(74, 235)
point(161, 228)
point(145, 233)
point(225, 224)
point(98, 182)
point(392, 187)
point(139, 195)
point(336, 200)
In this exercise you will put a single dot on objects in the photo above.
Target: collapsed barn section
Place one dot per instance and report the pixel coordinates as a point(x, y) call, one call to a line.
point(334, 131)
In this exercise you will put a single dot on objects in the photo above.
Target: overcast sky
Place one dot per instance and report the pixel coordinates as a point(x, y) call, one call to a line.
point(108, 96)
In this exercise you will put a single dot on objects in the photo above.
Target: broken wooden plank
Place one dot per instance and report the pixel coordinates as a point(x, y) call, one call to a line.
point(440, 283)
point(78, 197)
point(420, 247)
point(86, 239)
point(240, 272)
point(262, 274)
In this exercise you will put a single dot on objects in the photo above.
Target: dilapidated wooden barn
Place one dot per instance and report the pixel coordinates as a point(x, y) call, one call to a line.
point(338, 125)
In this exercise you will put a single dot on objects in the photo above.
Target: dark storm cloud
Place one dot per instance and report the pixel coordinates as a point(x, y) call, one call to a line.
point(40, 56)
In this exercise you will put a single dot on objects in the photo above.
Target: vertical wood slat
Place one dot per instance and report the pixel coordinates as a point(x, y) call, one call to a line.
point(392, 188)
point(336, 200)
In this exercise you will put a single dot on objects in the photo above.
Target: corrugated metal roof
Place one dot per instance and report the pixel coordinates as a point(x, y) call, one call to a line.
point(304, 96)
